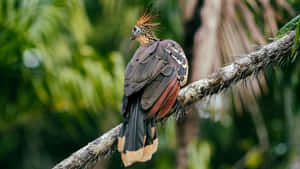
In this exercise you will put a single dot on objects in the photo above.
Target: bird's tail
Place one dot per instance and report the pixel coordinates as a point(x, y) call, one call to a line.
point(138, 136)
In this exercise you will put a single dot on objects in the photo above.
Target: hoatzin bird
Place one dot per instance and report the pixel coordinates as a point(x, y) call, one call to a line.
point(153, 79)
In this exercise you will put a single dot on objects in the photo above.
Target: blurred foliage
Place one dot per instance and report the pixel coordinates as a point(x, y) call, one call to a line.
point(54, 83)
point(199, 155)
point(62, 65)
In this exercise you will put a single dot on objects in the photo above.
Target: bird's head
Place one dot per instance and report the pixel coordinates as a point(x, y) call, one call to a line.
point(142, 31)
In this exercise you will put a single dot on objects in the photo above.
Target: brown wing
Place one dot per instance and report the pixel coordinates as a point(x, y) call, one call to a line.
point(153, 71)
point(155, 89)
point(160, 95)
point(166, 100)
point(144, 68)
point(177, 54)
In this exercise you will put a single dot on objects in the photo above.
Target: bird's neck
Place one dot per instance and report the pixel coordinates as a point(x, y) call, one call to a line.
point(148, 38)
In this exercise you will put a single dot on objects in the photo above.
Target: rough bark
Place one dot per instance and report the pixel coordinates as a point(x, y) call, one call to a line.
point(188, 8)
point(205, 41)
point(250, 64)
point(87, 156)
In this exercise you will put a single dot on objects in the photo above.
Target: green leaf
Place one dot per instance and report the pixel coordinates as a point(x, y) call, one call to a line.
point(295, 42)
point(288, 27)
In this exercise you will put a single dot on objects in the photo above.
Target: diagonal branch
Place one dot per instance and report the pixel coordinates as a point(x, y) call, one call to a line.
point(248, 65)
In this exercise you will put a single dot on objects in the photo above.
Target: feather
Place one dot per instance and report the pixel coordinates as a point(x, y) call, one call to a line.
point(152, 81)
point(146, 18)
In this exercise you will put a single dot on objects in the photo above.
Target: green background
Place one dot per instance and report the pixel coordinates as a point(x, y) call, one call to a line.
point(62, 67)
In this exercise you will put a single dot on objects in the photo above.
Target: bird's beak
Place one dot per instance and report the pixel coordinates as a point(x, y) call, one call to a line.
point(132, 37)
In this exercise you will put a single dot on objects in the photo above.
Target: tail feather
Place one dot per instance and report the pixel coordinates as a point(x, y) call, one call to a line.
point(138, 137)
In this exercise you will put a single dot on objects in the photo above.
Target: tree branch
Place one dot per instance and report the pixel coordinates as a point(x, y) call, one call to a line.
point(247, 65)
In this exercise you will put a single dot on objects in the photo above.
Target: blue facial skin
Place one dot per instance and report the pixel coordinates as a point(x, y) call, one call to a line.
point(136, 31)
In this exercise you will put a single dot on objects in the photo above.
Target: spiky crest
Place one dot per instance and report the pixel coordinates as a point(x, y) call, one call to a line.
point(147, 18)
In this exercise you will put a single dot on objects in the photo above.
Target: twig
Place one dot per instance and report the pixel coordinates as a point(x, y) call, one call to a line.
point(249, 64)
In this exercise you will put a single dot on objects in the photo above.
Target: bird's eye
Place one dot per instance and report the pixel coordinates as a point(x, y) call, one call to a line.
point(136, 30)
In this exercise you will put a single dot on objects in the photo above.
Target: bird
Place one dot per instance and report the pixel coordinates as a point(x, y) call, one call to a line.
point(153, 78)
